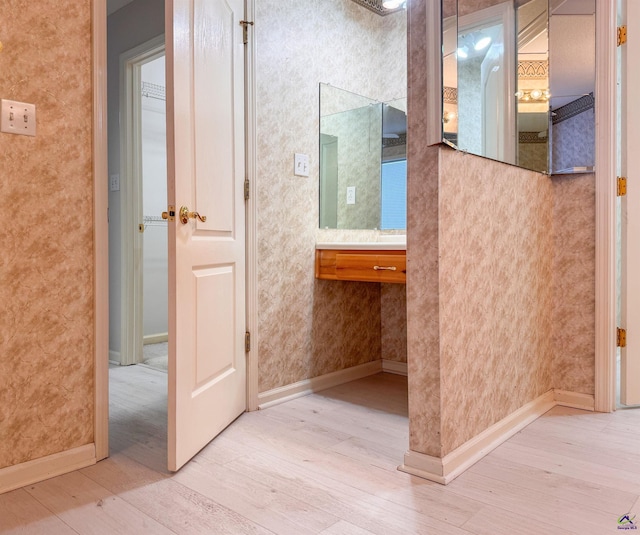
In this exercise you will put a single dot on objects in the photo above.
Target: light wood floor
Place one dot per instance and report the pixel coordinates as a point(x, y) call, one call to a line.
point(326, 463)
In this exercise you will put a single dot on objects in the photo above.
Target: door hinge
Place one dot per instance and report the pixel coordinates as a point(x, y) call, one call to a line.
point(622, 186)
point(245, 32)
point(247, 342)
point(622, 35)
point(621, 337)
point(246, 189)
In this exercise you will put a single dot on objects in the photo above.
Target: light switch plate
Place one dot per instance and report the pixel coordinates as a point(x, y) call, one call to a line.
point(18, 118)
point(114, 182)
point(301, 164)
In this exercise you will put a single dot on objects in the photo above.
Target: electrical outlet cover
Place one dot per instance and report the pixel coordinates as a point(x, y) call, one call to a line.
point(18, 118)
point(351, 194)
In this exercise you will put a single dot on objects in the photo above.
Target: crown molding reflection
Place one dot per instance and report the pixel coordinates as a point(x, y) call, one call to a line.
point(533, 70)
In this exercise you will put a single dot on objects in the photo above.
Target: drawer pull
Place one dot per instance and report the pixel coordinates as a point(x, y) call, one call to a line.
point(384, 268)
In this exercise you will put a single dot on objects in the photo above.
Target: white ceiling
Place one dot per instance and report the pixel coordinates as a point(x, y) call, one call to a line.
point(114, 5)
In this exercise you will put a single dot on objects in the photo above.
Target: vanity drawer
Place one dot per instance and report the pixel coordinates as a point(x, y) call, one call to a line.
point(367, 266)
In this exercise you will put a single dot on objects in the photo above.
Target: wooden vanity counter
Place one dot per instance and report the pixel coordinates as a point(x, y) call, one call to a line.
point(367, 265)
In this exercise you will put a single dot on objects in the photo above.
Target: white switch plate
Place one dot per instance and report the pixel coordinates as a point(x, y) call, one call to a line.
point(301, 164)
point(18, 118)
point(114, 182)
point(351, 194)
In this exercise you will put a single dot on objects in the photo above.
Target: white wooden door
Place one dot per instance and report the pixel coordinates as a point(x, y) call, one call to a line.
point(630, 167)
point(205, 157)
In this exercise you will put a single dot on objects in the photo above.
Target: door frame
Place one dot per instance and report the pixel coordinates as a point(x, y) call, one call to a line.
point(131, 302)
point(101, 229)
point(606, 155)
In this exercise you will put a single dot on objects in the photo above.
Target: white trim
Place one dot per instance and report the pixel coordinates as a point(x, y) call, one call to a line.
point(20, 475)
point(155, 338)
point(574, 399)
point(391, 366)
point(131, 196)
point(446, 469)
point(114, 358)
point(251, 213)
point(100, 232)
point(433, 33)
point(316, 384)
point(606, 155)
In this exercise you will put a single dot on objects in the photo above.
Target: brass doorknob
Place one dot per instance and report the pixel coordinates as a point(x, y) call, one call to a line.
point(185, 215)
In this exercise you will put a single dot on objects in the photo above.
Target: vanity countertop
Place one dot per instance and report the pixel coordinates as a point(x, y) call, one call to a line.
point(391, 245)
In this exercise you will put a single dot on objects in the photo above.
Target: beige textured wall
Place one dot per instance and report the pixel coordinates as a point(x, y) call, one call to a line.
point(423, 336)
point(496, 255)
point(574, 283)
point(46, 266)
point(308, 327)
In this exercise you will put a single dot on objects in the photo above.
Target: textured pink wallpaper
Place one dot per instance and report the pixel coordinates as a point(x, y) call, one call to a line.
point(46, 268)
point(393, 322)
point(496, 259)
point(574, 283)
point(423, 323)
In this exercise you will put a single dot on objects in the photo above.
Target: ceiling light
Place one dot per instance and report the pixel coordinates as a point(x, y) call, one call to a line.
point(482, 43)
point(463, 52)
point(391, 4)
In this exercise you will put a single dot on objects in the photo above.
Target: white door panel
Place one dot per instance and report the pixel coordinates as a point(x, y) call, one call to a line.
point(630, 356)
point(205, 115)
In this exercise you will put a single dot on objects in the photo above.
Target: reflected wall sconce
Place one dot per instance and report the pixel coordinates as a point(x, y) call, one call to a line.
point(533, 95)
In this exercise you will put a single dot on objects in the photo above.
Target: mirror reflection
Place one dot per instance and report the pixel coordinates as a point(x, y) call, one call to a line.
point(363, 161)
point(519, 80)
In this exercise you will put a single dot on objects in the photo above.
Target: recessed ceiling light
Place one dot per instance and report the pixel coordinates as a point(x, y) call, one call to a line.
point(463, 52)
point(482, 43)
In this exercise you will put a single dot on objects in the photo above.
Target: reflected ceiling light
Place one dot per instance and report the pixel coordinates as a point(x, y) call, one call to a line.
point(449, 116)
point(463, 52)
point(482, 43)
point(392, 4)
point(536, 94)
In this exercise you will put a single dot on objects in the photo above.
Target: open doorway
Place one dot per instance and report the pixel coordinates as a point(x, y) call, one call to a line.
point(152, 182)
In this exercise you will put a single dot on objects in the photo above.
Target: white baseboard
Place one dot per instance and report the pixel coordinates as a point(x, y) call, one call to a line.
point(155, 338)
point(20, 475)
point(446, 469)
point(574, 399)
point(308, 386)
point(391, 366)
point(115, 358)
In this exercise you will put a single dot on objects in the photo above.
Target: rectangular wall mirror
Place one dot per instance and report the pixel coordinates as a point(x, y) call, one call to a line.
point(363, 161)
point(519, 80)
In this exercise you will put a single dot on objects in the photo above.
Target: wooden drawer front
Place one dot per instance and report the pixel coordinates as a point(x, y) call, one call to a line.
point(367, 266)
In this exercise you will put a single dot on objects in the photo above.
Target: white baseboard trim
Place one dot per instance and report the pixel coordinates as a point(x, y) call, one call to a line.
point(316, 384)
point(115, 358)
point(155, 338)
point(20, 475)
point(574, 399)
point(446, 469)
point(391, 366)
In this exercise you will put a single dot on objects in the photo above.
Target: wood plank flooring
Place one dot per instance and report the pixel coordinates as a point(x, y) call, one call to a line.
point(326, 463)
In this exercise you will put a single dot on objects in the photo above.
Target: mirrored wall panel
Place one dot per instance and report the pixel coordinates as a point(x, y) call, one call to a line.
point(363, 161)
point(519, 80)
